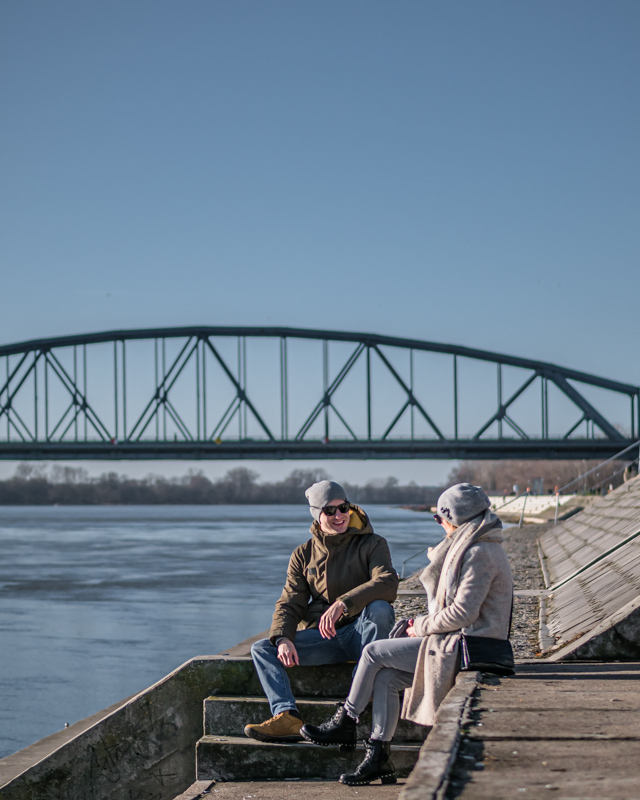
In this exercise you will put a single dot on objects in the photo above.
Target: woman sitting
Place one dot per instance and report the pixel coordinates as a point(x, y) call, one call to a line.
point(469, 591)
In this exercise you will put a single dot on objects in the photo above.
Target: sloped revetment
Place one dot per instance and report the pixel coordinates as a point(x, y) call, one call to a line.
point(593, 564)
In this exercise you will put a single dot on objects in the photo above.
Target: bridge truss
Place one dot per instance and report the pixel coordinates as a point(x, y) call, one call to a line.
point(284, 393)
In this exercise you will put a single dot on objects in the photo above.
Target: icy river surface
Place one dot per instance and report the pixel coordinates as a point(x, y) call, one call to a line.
point(97, 603)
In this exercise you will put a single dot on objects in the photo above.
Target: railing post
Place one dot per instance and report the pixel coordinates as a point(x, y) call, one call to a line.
point(415, 555)
point(524, 505)
point(555, 520)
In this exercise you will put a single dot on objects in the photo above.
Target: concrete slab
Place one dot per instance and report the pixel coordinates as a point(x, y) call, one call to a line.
point(604, 524)
point(583, 616)
point(572, 723)
point(559, 730)
point(232, 758)
point(591, 564)
point(429, 778)
point(302, 790)
point(196, 790)
point(563, 699)
point(244, 648)
point(570, 770)
point(227, 716)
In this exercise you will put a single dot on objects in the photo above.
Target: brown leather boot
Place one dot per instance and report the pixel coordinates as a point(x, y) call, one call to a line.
point(284, 727)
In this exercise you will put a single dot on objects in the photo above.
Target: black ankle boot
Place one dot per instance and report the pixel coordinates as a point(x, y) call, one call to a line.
point(340, 729)
point(377, 764)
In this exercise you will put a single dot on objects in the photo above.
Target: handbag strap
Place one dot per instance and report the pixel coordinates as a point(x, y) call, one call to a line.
point(510, 617)
point(511, 614)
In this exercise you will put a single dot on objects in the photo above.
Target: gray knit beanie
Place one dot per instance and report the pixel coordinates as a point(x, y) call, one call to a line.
point(322, 493)
point(462, 502)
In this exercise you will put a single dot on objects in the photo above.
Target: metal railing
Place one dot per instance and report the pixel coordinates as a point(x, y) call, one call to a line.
point(594, 469)
point(415, 555)
point(528, 493)
point(513, 500)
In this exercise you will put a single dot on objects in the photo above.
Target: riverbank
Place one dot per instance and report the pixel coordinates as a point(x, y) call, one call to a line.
point(521, 546)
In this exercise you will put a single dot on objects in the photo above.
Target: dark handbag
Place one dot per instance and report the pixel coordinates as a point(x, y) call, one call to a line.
point(481, 654)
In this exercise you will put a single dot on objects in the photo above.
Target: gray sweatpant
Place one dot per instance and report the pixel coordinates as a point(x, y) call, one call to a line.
point(385, 668)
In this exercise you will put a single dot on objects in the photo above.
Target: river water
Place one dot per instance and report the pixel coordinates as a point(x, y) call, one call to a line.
point(97, 603)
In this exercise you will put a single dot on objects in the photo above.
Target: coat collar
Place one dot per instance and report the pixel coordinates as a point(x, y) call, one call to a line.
point(359, 525)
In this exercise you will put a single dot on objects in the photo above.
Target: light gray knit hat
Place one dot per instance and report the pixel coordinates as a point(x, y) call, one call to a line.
point(322, 493)
point(462, 502)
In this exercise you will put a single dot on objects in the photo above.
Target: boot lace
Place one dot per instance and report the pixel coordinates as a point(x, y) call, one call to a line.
point(366, 762)
point(334, 721)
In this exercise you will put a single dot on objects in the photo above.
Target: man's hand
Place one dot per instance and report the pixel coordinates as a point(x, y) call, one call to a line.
point(287, 653)
point(411, 631)
point(328, 620)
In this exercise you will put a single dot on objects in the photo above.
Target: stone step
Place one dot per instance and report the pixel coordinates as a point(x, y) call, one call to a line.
point(237, 676)
point(196, 790)
point(230, 758)
point(227, 716)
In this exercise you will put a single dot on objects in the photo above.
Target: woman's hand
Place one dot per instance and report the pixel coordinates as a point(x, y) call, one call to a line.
point(327, 624)
point(287, 653)
point(411, 631)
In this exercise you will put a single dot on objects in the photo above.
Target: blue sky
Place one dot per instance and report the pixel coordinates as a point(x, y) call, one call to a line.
point(461, 172)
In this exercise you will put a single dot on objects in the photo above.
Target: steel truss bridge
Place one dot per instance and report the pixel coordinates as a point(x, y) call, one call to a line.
point(286, 393)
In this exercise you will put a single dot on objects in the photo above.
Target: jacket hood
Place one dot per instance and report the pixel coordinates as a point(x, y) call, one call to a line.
point(359, 525)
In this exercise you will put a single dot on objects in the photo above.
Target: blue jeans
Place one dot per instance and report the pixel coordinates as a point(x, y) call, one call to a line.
point(375, 622)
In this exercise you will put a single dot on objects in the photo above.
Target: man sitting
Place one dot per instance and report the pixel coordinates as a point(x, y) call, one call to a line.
point(336, 599)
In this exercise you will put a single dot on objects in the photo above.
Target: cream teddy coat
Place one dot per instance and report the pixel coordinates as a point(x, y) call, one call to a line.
point(469, 589)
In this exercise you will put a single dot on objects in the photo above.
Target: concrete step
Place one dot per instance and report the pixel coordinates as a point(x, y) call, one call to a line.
point(230, 758)
point(227, 716)
point(196, 790)
point(237, 676)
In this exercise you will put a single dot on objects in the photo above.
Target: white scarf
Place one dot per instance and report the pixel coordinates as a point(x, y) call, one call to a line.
point(438, 658)
point(465, 536)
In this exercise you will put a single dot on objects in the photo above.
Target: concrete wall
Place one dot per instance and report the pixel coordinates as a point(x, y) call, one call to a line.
point(143, 750)
point(616, 638)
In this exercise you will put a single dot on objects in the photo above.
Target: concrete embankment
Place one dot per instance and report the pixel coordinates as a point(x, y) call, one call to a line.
point(557, 730)
point(568, 729)
point(148, 742)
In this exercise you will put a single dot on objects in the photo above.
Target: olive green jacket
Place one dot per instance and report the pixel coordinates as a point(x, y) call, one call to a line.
point(354, 566)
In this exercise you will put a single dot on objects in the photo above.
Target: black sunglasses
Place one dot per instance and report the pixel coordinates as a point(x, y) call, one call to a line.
point(331, 510)
point(438, 518)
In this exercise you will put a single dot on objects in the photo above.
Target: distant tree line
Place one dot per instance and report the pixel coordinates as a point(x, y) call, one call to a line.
point(36, 484)
point(543, 477)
